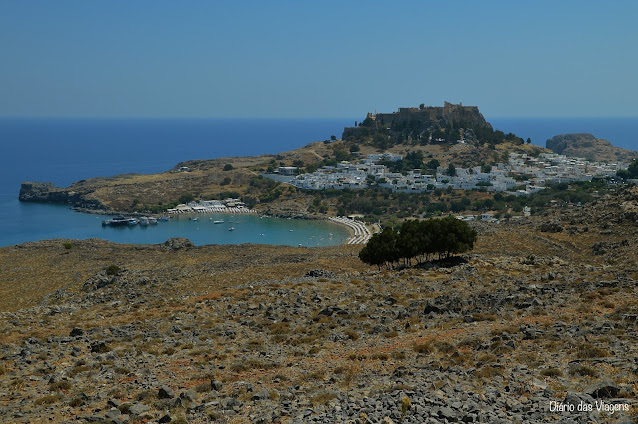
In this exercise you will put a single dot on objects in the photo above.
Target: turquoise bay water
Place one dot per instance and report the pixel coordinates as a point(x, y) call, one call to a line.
point(44, 221)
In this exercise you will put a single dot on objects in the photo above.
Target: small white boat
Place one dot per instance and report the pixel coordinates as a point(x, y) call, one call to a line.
point(231, 229)
point(219, 221)
point(164, 218)
point(144, 221)
point(118, 221)
point(290, 231)
point(194, 218)
point(152, 221)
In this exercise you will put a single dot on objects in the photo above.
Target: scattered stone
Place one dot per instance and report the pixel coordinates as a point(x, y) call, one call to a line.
point(76, 332)
point(138, 409)
point(113, 413)
point(430, 308)
point(165, 392)
point(113, 403)
point(216, 385)
point(189, 395)
point(320, 273)
point(603, 389)
point(230, 403)
point(578, 398)
point(178, 243)
point(263, 395)
point(551, 227)
point(99, 347)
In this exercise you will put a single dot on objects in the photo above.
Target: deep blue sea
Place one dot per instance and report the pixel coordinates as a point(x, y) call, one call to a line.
point(66, 150)
point(621, 132)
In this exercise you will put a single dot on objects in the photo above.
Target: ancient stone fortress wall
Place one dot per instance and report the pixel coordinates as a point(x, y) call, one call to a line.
point(430, 113)
point(448, 114)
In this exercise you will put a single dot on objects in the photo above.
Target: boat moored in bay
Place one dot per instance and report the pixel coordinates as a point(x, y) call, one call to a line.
point(119, 221)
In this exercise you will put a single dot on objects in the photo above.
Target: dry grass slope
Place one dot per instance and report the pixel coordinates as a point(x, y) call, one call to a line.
point(241, 334)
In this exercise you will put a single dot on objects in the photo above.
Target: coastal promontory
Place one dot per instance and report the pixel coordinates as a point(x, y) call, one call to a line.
point(415, 162)
point(453, 134)
point(587, 146)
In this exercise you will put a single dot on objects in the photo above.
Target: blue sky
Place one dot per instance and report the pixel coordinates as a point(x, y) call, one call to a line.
point(316, 59)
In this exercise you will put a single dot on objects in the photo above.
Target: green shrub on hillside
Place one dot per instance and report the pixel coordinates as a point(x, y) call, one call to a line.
point(420, 240)
point(113, 270)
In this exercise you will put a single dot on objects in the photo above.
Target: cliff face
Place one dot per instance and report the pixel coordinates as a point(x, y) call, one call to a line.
point(50, 193)
point(587, 146)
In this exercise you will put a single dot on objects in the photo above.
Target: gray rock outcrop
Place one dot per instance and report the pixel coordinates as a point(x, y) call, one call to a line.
point(589, 147)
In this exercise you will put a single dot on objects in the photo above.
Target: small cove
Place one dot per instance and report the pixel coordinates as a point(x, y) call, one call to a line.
point(34, 221)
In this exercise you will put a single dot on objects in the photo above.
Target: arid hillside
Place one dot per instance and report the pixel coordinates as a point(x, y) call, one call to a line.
point(543, 310)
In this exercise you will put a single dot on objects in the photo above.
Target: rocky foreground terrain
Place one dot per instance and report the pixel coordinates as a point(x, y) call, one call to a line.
point(540, 316)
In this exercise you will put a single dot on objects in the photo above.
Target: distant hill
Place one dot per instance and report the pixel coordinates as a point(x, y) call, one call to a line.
point(426, 125)
point(587, 146)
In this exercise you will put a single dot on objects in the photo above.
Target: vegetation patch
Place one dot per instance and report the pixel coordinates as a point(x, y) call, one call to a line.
point(419, 240)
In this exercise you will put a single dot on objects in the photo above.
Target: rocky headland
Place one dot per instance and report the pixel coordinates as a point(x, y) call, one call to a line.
point(211, 179)
point(452, 134)
point(587, 146)
point(540, 316)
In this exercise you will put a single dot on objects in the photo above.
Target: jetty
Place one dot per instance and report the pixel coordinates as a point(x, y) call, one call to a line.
point(361, 232)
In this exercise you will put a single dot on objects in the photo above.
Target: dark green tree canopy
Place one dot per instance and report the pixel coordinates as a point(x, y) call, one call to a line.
point(419, 239)
point(630, 172)
point(451, 170)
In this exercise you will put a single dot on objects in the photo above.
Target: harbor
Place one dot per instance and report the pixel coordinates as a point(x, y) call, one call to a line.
point(224, 228)
point(359, 232)
point(52, 221)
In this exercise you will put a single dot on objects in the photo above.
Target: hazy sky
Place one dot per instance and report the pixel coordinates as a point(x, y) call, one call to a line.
point(316, 59)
